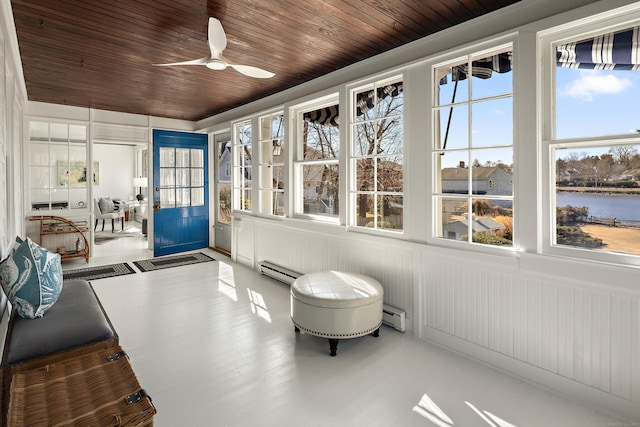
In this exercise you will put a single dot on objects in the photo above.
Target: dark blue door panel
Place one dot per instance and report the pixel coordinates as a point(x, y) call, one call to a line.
point(180, 192)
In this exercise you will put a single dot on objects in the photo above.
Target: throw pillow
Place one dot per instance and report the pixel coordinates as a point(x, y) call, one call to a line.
point(31, 277)
point(106, 205)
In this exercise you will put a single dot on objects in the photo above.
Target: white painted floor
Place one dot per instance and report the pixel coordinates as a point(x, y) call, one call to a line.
point(213, 345)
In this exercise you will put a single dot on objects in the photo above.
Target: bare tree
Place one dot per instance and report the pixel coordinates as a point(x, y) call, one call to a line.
point(379, 135)
point(623, 153)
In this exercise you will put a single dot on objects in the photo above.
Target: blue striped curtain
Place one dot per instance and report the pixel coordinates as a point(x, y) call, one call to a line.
point(482, 68)
point(612, 51)
point(366, 101)
point(330, 116)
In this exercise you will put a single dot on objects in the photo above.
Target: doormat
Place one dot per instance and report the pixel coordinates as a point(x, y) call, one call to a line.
point(100, 272)
point(172, 261)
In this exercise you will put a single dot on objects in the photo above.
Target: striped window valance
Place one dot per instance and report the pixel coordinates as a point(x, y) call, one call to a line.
point(328, 116)
point(612, 51)
point(365, 101)
point(482, 68)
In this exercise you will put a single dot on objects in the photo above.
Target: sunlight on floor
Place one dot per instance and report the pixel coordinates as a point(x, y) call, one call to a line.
point(489, 418)
point(258, 306)
point(428, 409)
point(226, 281)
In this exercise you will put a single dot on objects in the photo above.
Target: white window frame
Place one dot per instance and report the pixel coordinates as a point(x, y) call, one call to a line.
point(487, 48)
point(68, 143)
point(297, 125)
point(239, 184)
point(371, 84)
point(548, 39)
point(265, 167)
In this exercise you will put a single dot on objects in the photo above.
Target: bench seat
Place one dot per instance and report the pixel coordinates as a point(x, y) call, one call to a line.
point(75, 325)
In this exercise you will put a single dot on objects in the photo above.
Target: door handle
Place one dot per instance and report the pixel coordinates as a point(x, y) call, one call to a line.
point(156, 206)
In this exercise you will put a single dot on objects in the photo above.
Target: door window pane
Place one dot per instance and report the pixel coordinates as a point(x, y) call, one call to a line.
point(167, 157)
point(197, 197)
point(178, 176)
point(224, 182)
point(197, 177)
point(167, 198)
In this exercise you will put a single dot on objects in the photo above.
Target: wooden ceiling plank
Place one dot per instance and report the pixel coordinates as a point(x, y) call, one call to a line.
point(99, 54)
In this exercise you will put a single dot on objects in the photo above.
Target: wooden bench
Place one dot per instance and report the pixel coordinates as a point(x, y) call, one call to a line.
point(75, 326)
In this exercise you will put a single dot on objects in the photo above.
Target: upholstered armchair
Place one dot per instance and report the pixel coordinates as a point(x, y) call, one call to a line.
point(107, 212)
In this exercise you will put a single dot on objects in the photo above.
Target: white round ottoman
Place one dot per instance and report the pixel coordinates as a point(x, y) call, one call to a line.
point(336, 305)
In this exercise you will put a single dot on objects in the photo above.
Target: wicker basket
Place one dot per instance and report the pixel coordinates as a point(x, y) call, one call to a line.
point(96, 389)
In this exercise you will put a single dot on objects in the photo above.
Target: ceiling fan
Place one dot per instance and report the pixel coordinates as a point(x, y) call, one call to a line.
point(217, 41)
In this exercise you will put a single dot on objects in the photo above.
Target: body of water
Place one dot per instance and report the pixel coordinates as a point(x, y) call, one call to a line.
point(622, 207)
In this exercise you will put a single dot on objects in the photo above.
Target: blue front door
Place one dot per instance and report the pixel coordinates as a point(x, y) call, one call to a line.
point(180, 192)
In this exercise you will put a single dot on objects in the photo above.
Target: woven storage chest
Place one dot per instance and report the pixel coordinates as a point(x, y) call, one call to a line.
point(96, 389)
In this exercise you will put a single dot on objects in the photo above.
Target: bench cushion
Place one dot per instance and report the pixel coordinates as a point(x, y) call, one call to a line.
point(75, 320)
point(335, 289)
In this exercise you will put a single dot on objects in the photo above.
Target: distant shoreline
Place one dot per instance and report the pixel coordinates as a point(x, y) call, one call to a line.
point(601, 190)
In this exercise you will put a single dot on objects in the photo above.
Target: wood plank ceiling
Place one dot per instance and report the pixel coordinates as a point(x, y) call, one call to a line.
point(99, 53)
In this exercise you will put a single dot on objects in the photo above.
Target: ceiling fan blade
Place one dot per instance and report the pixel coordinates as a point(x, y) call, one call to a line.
point(201, 61)
point(256, 72)
point(216, 37)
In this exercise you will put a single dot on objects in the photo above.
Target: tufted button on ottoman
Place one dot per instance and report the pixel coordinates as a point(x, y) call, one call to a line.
point(336, 305)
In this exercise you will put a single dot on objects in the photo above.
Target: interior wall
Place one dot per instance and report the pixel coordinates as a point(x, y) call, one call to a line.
point(117, 167)
point(12, 99)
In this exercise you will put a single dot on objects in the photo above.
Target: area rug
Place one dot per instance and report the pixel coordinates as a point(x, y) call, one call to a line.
point(172, 261)
point(102, 237)
point(99, 272)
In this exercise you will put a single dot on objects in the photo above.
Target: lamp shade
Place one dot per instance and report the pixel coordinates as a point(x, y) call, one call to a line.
point(139, 182)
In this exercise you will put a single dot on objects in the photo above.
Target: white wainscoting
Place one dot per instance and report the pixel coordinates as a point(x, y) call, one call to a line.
point(577, 330)
point(305, 249)
point(547, 324)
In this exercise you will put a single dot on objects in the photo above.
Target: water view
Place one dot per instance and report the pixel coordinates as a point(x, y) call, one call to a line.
point(622, 207)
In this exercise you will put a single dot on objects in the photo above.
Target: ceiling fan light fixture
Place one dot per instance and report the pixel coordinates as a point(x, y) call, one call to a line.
point(217, 41)
point(216, 64)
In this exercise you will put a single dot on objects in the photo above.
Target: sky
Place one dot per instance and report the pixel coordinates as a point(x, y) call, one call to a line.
point(597, 103)
point(589, 103)
point(492, 120)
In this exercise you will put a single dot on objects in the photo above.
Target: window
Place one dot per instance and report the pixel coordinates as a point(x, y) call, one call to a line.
point(376, 156)
point(594, 144)
point(473, 153)
point(223, 178)
point(58, 172)
point(317, 162)
point(181, 177)
point(271, 164)
point(242, 165)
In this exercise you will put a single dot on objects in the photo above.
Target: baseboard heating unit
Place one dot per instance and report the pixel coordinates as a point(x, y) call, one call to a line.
point(393, 317)
point(278, 272)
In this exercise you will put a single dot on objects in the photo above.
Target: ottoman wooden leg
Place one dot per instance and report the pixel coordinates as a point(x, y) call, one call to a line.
point(376, 333)
point(295, 328)
point(333, 346)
